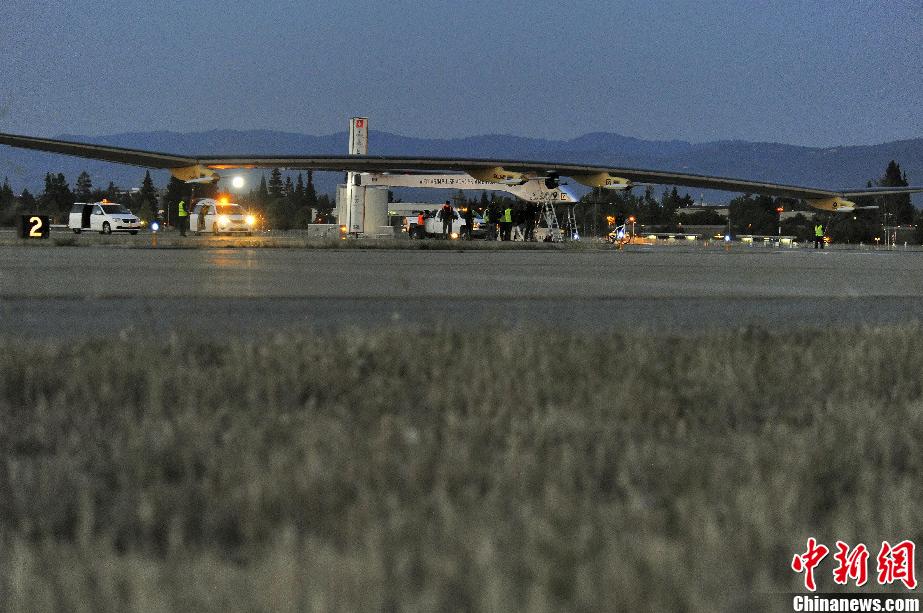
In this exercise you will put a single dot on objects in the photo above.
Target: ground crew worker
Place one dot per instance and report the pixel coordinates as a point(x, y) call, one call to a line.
point(818, 236)
point(469, 221)
point(506, 223)
point(182, 216)
point(487, 216)
point(519, 224)
point(531, 214)
point(421, 226)
point(496, 216)
point(446, 215)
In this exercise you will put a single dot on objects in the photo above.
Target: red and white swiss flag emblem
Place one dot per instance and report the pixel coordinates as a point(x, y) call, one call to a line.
point(360, 123)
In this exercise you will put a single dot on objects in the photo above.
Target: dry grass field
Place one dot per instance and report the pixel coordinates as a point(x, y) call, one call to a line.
point(450, 472)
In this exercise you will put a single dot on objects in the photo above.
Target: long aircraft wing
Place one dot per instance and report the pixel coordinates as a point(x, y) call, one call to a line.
point(204, 167)
point(119, 155)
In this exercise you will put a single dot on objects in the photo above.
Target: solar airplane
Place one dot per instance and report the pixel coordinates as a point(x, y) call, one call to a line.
point(208, 168)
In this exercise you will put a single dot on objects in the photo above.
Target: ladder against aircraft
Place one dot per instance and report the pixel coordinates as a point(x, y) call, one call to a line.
point(555, 230)
point(551, 220)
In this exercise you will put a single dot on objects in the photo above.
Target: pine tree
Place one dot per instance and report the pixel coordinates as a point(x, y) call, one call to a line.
point(83, 189)
point(65, 200)
point(310, 195)
point(308, 202)
point(280, 209)
point(896, 209)
point(299, 204)
point(147, 197)
point(6, 194)
point(27, 201)
point(258, 198)
point(276, 186)
point(46, 199)
point(8, 209)
point(176, 190)
point(125, 200)
point(57, 199)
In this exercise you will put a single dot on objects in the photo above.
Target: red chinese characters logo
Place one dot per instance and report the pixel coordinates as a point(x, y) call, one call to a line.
point(896, 564)
point(893, 563)
point(808, 561)
point(851, 564)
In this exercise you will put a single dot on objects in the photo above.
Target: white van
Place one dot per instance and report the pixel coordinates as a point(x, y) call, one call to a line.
point(105, 217)
point(220, 217)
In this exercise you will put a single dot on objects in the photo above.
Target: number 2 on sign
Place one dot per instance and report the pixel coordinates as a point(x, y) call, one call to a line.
point(35, 231)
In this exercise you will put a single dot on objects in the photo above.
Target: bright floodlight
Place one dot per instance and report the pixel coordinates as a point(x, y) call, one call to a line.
point(237, 182)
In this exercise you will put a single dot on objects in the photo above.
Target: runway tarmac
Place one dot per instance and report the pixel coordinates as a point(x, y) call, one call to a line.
point(51, 292)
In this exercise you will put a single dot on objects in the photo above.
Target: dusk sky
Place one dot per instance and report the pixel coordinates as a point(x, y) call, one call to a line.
point(815, 73)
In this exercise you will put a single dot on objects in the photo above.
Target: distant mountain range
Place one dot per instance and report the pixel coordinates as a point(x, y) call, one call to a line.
point(832, 167)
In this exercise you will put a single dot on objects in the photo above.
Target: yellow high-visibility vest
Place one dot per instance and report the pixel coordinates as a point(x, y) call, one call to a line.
point(508, 216)
point(818, 230)
point(182, 209)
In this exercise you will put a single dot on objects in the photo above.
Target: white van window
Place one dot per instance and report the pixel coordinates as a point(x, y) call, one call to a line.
point(117, 209)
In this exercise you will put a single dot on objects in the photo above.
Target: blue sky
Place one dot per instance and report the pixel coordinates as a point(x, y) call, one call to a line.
point(816, 73)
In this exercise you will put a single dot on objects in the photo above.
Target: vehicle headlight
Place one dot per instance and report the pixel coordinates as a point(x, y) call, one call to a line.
point(251, 220)
point(224, 220)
